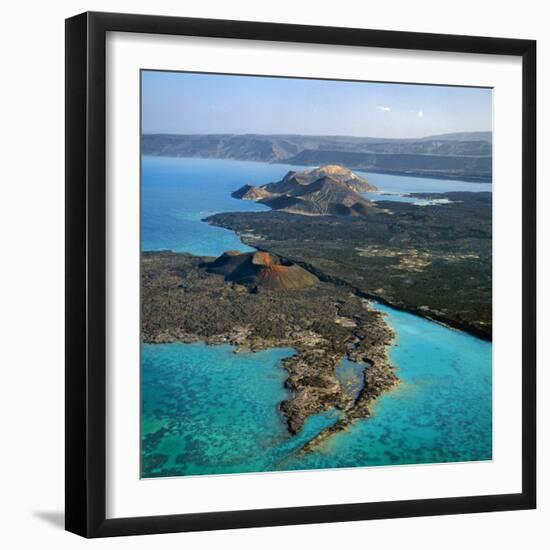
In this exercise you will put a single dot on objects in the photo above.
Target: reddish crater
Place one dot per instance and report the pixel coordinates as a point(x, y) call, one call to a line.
point(261, 269)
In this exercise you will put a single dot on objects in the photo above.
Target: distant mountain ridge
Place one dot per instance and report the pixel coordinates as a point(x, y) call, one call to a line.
point(328, 190)
point(466, 155)
point(462, 136)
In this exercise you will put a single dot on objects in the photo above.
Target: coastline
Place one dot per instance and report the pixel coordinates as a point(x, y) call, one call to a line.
point(430, 315)
point(409, 173)
point(333, 325)
point(372, 170)
point(312, 378)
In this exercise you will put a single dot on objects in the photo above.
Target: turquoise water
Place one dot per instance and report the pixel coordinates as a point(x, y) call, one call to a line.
point(440, 412)
point(351, 376)
point(208, 410)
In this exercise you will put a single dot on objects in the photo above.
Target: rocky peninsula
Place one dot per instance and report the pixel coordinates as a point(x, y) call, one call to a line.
point(260, 300)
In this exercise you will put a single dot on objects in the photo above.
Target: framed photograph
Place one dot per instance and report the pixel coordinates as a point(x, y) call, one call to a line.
point(300, 274)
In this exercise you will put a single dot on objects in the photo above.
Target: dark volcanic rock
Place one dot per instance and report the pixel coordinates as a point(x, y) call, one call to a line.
point(182, 301)
point(251, 193)
point(435, 261)
point(227, 263)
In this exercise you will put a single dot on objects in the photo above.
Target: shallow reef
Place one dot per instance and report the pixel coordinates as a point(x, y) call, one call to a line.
point(183, 301)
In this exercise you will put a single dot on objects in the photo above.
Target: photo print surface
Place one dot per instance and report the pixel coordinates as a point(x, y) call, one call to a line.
point(316, 274)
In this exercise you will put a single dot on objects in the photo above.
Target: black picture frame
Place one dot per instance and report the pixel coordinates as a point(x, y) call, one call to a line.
point(86, 268)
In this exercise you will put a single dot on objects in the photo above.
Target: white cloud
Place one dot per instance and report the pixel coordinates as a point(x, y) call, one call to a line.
point(383, 108)
point(420, 114)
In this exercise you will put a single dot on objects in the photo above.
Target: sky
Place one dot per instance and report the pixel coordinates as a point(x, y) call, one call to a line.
point(195, 103)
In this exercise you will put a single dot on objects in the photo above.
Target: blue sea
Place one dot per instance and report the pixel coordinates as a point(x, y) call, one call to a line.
point(176, 194)
point(209, 410)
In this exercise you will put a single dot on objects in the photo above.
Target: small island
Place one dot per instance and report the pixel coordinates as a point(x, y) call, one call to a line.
point(328, 190)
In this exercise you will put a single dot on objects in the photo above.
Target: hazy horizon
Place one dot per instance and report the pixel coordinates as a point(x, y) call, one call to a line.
point(199, 103)
point(291, 134)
